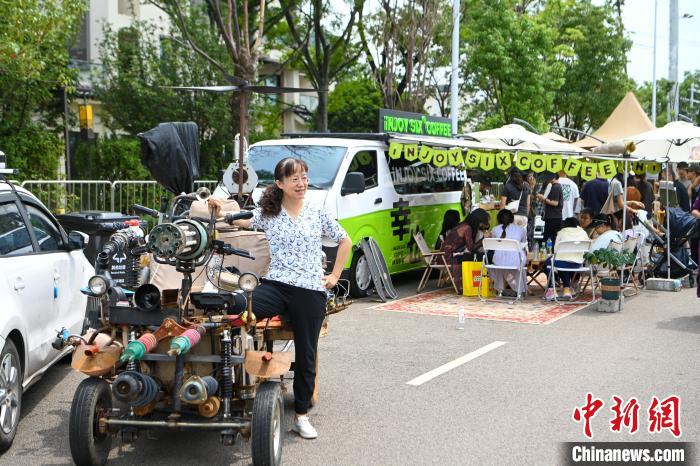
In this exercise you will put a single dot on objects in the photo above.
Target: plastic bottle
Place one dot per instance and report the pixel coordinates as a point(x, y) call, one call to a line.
point(536, 250)
point(460, 318)
point(549, 246)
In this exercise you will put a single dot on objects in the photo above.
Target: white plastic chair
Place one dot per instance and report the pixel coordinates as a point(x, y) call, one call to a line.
point(504, 245)
point(573, 247)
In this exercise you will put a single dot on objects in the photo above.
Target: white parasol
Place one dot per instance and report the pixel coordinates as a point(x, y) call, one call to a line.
point(517, 137)
point(678, 141)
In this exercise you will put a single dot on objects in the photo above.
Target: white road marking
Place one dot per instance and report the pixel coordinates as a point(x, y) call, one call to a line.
point(428, 376)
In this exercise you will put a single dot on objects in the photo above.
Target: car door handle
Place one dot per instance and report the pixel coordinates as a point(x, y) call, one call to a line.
point(378, 201)
point(19, 284)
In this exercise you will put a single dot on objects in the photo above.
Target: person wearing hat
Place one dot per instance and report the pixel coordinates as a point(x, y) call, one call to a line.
point(516, 189)
point(606, 235)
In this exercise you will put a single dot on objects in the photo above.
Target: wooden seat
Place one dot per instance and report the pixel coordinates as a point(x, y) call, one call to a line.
point(434, 260)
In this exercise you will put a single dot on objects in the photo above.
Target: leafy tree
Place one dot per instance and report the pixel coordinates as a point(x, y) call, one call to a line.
point(510, 70)
point(134, 87)
point(594, 55)
point(353, 107)
point(324, 48)
point(33, 74)
point(110, 159)
point(404, 44)
point(663, 91)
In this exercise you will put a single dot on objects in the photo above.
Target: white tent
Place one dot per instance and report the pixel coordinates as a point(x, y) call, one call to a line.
point(678, 141)
point(516, 137)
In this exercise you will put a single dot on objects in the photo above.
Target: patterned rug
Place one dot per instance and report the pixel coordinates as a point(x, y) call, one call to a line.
point(445, 302)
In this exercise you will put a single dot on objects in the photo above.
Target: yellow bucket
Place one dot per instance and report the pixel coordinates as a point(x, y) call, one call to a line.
point(471, 276)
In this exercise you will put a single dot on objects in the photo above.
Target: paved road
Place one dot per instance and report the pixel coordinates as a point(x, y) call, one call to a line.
point(512, 405)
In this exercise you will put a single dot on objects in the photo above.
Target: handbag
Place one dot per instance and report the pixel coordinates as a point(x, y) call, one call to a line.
point(514, 206)
point(609, 207)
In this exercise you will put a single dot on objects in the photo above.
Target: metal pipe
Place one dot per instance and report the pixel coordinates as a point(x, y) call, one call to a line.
point(624, 227)
point(237, 424)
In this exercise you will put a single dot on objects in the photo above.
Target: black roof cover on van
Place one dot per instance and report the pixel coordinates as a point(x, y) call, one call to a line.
point(170, 151)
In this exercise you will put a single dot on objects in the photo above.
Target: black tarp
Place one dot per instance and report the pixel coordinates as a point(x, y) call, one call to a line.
point(170, 151)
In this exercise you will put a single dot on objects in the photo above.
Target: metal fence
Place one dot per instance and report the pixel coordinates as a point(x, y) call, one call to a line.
point(62, 196)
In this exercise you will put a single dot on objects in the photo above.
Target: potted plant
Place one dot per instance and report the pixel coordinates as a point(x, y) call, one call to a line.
point(614, 261)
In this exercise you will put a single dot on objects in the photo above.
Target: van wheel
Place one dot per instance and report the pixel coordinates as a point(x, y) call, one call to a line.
point(360, 276)
point(10, 394)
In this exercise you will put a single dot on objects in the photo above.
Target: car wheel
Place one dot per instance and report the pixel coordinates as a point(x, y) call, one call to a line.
point(10, 394)
point(360, 276)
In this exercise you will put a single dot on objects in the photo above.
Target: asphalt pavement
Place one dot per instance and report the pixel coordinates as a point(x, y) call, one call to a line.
point(510, 405)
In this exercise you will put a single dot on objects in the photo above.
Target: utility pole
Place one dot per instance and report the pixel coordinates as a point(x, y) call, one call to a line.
point(673, 59)
point(454, 90)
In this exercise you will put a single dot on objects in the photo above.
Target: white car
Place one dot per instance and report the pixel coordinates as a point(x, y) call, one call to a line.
point(41, 272)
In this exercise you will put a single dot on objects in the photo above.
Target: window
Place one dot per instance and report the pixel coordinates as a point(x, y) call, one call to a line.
point(417, 177)
point(14, 236)
point(365, 162)
point(47, 234)
point(129, 7)
point(323, 162)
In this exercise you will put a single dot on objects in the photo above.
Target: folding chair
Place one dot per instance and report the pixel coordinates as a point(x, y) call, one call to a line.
point(634, 244)
point(576, 247)
point(434, 260)
point(505, 245)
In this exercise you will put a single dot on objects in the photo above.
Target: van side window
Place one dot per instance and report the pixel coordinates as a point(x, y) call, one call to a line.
point(418, 178)
point(365, 162)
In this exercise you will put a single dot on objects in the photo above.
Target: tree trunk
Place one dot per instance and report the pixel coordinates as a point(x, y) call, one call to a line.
point(322, 110)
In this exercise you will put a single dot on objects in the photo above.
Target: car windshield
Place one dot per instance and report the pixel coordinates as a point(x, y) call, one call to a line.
point(323, 162)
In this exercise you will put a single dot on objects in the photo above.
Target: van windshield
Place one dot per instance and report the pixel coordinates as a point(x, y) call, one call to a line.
point(323, 162)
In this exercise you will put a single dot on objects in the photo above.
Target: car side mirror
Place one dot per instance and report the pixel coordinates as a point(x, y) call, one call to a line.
point(354, 183)
point(77, 240)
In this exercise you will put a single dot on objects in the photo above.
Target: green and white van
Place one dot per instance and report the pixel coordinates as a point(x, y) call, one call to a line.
point(396, 198)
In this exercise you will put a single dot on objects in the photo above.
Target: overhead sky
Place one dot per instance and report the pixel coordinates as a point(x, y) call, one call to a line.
point(638, 18)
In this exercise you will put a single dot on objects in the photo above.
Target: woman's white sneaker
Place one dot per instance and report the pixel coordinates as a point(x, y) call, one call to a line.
point(303, 427)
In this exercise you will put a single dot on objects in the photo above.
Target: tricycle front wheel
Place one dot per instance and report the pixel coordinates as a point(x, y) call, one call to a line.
point(267, 433)
point(89, 446)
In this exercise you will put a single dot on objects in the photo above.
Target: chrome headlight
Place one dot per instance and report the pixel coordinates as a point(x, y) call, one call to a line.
point(98, 285)
point(248, 282)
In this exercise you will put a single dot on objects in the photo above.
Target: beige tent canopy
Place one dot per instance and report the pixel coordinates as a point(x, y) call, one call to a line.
point(627, 119)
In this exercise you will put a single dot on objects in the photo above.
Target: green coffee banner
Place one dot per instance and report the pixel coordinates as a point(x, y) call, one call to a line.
point(503, 161)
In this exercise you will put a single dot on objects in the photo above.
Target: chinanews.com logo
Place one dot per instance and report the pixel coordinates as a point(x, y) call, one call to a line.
point(630, 416)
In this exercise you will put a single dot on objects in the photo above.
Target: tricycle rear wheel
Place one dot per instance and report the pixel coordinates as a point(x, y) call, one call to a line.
point(88, 445)
point(267, 433)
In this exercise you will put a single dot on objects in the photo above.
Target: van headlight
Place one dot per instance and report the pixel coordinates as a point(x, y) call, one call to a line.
point(248, 282)
point(98, 285)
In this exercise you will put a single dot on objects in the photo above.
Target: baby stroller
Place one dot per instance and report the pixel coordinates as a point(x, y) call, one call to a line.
point(682, 226)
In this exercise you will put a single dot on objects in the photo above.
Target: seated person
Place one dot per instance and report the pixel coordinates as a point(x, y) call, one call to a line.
point(464, 241)
point(585, 219)
point(449, 221)
point(571, 231)
point(507, 228)
point(603, 226)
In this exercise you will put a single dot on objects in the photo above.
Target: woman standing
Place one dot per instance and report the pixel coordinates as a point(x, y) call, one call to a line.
point(516, 189)
point(507, 229)
point(295, 283)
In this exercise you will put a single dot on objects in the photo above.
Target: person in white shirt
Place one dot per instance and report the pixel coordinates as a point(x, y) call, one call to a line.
point(570, 193)
point(606, 235)
point(570, 231)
